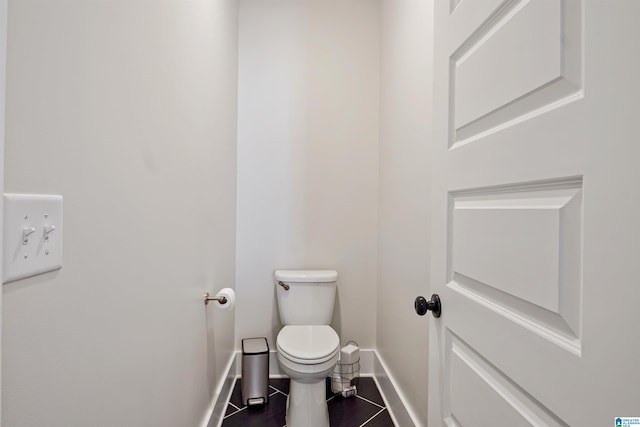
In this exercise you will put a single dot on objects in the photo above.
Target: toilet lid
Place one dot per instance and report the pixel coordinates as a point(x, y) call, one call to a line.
point(308, 342)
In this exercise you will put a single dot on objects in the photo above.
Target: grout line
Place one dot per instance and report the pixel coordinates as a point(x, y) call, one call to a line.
point(367, 400)
point(234, 413)
point(277, 389)
point(227, 416)
point(377, 413)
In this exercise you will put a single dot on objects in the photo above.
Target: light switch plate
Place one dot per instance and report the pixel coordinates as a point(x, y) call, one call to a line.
point(32, 235)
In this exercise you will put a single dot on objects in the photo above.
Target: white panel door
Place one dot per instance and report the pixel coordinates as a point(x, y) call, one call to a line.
point(537, 213)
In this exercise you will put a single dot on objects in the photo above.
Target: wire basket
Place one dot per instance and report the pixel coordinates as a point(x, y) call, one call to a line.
point(345, 377)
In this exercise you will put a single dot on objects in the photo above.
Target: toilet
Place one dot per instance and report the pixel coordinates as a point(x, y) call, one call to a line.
point(308, 348)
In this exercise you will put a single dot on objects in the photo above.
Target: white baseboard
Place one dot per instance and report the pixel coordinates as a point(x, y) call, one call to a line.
point(371, 365)
point(218, 406)
point(366, 364)
point(393, 398)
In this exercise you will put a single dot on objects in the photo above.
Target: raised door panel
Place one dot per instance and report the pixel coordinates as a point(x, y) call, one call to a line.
point(516, 250)
point(503, 402)
point(521, 60)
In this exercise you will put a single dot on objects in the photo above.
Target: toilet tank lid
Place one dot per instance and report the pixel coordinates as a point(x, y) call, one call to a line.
point(303, 276)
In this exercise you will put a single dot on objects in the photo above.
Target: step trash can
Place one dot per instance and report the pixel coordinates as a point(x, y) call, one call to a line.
point(255, 371)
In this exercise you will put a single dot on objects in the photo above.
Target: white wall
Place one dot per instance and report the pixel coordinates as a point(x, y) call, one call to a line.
point(404, 198)
point(308, 156)
point(129, 112)
point(3, 79)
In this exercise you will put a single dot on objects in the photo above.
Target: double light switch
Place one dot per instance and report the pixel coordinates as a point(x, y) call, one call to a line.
point(32, 235)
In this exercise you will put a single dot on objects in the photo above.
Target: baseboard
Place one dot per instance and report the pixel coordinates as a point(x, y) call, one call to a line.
point(393, 398)
point(218, 406)
point(371, 365)
point(367, 358)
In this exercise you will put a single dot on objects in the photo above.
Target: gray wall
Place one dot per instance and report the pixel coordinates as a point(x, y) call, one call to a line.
point(129, 112)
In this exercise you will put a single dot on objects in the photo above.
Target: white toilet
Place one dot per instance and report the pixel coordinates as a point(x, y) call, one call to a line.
point(308, 348)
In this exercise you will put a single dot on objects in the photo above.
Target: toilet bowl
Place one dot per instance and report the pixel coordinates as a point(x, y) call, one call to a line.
point(307, 354)
point(308, 348)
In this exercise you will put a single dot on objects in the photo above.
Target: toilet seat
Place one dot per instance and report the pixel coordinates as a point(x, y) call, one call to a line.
point(308, 344)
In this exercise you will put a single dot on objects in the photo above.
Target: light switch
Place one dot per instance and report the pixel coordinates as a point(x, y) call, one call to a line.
point(32, 235)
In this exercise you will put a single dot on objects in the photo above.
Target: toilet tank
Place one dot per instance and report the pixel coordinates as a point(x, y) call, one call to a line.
point(310, 298)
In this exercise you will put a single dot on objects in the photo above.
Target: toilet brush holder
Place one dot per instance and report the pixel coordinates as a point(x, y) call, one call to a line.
point(346, 374)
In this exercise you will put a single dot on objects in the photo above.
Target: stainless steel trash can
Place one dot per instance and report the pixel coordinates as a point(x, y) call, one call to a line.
point(255, 371)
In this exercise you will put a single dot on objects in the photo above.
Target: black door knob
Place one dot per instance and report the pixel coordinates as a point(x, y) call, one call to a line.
point(422, 305)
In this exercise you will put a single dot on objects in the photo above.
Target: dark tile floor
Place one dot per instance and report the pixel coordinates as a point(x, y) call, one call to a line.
point(365, 409)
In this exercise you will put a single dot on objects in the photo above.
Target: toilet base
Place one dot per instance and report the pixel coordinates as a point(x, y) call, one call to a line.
point(307, 404)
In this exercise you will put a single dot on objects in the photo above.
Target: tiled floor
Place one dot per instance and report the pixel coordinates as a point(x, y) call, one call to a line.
point(365, 409)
